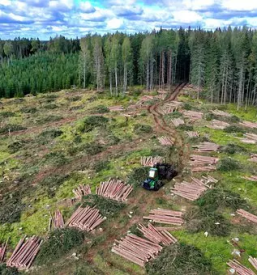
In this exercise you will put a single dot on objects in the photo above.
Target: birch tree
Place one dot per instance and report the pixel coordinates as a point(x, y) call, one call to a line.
point(98, 63)
point(126, 61)
point(85, 59)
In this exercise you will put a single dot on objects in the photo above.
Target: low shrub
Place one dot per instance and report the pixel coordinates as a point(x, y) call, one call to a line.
point(187, 106)
point(47, 136)
point(234, 119)
point(58, 244)
point(74, 98)
point(141, 129)
point(12, 128)
point(50, 106)
point(101, 165)
point(100, 109)
point(234, 129)
point(28, 110)
point(6, 114)
point(185, 127)
point(50, 118)
point(6, 270)
point(210, 116)
point(75, 108)
point(134, 230)
point(175, 114)
point(107, 207)
point(93, 148)
point(51, 183)
point(232, 149)
point(138, 176)
point(179, 259)
point(228, 164)
point(55, 158)
point(219, 198)
point(15, 146)
point(91, 122)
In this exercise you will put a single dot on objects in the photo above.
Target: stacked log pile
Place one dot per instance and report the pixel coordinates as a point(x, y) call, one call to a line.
point(136, 249)
point(193, 115)
point(247, 141)
point(252, 178)
point(247, 215)
point(86, 219)
point(146, 98)
point(217, 124)
point(114, 189)
point(58, 221)
point(253, 158)
point(151, 161)
point(239, 268)
point(177, 121)
point(192, 134)
point(116, 108)
point(207, 147)
point(3, 248)
point(190, 190)
point(170, 107)
point(24, 253)
point(221, 113)
point(248, 124)
point(209, 179)
point(82, 190)
point(166, 141)
point(165, 217)
point(253, 261)
point(249, 138)
point(203, 163)
point(160, 237)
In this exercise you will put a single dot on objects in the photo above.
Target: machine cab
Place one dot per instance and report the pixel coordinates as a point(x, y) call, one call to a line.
point(153, 173)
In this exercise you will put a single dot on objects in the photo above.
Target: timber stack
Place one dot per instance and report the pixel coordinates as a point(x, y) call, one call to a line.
point(166, 141)
point(218, 125)
point(253, 158)
point(82, 190)
point(206, 147)
point(253, 261)
point(3, 251)
point(136, 249)
point(221, 113)
point(25, 253)
point(116, 108)
point(252, 178)
point(192, 134)
point(193, 115)
point(239, 268)
point(114, 189)
point(157, 236)
point(203, 163)
point(190, 190)
point(165, 217)
point(151, 161)
point(58, 221)
point(247, 215)
point(177, 121)
point(249, 124)
point(170, 107)
point(86, 219)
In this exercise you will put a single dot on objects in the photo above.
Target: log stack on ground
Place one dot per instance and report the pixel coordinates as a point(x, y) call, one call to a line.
point(208, 179)
point(136, 249)
point(238, 268)
point(170, 107)
point(3, 248)
point(253, 261)
point(190, 190)
point(156, 236)
point(251, 178)
point(25, 253)
point(166, 141)
point(177, 121)
point(207, 147)
point(82, 190)
point(165, 216)
point(192, 134)
point(116, 108)
point(248, 124)
point(203, 163)
point(86, 219)
point(193, 115)
point(114, 189)
point(221, 113)
point(58, 221)
point(253, 158)
point(218, 125)
point(247, 215)
point(151, 161)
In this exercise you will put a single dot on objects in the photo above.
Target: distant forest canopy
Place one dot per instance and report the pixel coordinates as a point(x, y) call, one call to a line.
point(221, 62)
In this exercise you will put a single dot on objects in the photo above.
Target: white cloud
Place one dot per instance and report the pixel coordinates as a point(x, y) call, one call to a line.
point(86, 7)
point(5, 2)
point(240, 5)
point(186, 16)
point(114, 24)
point(198, 4)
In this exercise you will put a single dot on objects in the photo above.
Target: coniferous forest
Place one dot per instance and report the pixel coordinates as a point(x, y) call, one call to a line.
point(221, 63)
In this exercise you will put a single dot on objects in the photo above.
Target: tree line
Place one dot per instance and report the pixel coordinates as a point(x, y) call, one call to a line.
point(221, 63)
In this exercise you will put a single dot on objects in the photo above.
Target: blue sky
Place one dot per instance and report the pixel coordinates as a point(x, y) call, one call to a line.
point(45, 18)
